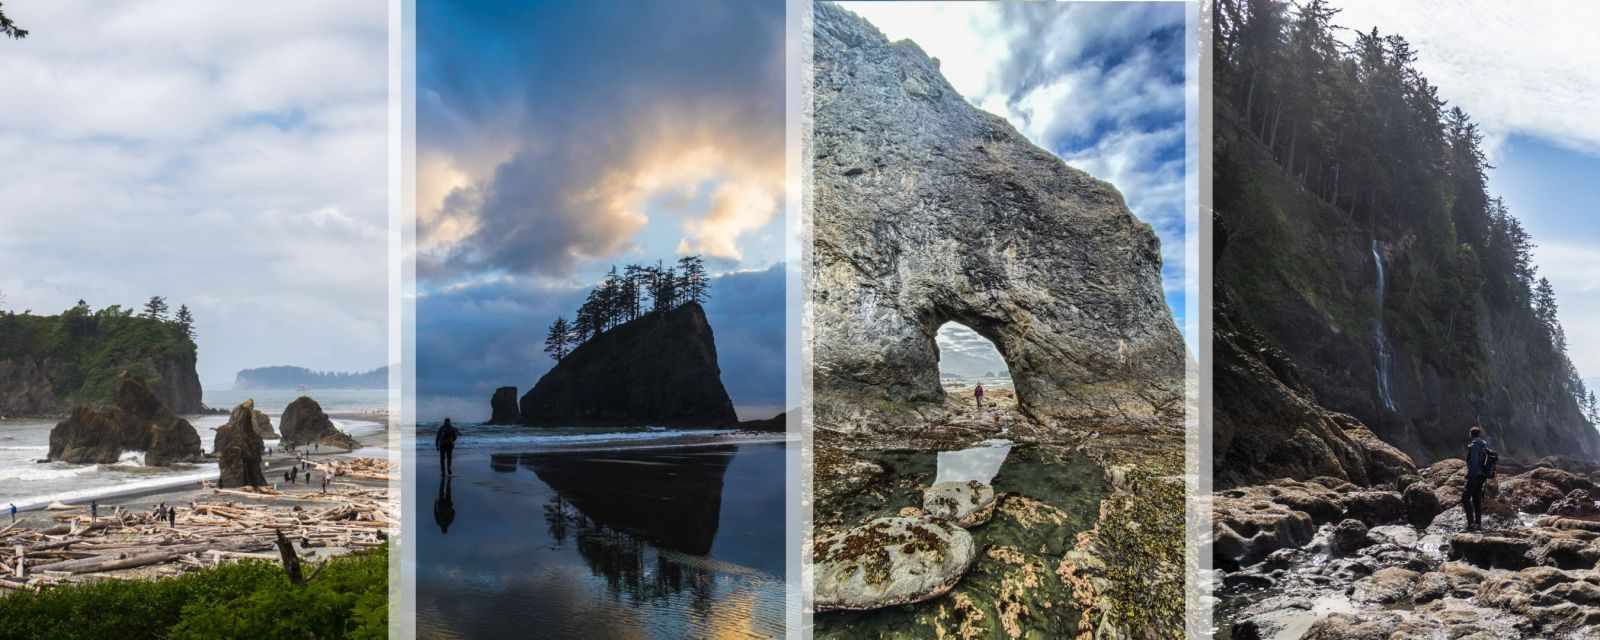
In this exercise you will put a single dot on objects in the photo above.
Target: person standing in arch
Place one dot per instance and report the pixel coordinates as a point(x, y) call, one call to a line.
point(977, 392)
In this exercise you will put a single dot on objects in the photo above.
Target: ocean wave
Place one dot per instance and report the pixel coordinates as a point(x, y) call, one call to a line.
point(39, 472)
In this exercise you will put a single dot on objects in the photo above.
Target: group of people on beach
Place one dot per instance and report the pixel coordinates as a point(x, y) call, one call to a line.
point(292, 475)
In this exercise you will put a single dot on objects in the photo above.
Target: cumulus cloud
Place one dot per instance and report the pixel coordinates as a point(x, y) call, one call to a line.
point(1100, 84)
point(542, 152)
point(230, 158)
point(1513, 67)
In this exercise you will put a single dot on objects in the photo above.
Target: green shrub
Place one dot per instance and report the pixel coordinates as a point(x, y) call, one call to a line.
point(253, 599)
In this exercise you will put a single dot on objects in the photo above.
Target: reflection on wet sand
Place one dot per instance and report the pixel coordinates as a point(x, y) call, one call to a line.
point(444, 509)
point(669, 498)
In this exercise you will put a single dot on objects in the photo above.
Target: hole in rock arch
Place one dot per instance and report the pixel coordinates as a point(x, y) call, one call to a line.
point(967, 359)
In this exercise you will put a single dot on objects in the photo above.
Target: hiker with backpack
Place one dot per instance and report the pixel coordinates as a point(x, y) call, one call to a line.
point(1480, 467)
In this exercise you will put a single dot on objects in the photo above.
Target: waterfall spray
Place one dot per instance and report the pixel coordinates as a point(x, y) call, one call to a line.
point(1384, 352)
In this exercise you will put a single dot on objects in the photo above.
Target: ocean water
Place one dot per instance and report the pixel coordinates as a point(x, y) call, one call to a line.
point(31, 484)
point(273, 401)
point(536, 534)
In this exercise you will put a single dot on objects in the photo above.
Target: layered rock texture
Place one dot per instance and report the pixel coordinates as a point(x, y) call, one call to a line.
point(239, 448)
point(890, 561)
point(928, 210)
point(263, 424)
point(303, 423)
point(658, 370)
point(136, 420)
point(503, 407)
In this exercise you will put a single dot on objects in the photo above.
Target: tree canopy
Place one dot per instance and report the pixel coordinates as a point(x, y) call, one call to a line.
point(627, 295)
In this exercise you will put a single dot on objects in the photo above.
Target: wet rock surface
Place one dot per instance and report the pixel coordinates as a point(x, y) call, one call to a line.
point(136, 420)
point(967, 504)
point(890, 561)
point(1523, 576)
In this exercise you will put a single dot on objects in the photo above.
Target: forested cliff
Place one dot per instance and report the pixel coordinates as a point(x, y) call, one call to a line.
point(50, 364)
point(1360, 252)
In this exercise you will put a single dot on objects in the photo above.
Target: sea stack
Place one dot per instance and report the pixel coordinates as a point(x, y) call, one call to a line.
point(303, 424)
point(503, 407)
point(239, 449)
point(930, 210)
point(658, 370)
point(137, 420)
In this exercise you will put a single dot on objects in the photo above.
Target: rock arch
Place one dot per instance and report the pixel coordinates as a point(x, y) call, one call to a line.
point(927, 210)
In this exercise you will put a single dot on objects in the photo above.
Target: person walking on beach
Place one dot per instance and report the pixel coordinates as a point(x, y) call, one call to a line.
point(1480, 467)
point(445, 441)
point(172, 517)
point(94, 510)
point(977, 392)
point(13, 512)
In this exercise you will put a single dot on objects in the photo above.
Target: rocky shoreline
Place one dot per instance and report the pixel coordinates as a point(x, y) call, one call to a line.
point(1331, 560)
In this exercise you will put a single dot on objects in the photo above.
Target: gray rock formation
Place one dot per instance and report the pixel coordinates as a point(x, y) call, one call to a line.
point(239, 448)
point(658, 370)
point(30, 386)
point(888, 562)
point(303, 423)
point(968, 504)
point(137, 420)
point(503, 407)
point(928, 210)
point(263, 425)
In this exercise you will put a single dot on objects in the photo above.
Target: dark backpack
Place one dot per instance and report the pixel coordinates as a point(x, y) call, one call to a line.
point(1489, 460)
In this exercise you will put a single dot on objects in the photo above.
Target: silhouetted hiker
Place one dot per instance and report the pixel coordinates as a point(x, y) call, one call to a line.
point(445, 440)
point(1480, 467)
point(444, 509)
point(94, 509)
point(977, 392)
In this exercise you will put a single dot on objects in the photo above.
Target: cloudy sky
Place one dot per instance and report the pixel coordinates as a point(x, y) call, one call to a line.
point(1099, 84)
point(1528, 77)
point(546, 154)
point(229, 158)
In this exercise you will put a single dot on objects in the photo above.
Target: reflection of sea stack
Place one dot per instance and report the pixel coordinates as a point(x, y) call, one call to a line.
point(136, 420)
point(671, 498)
point(658, 370)
point(929, 210)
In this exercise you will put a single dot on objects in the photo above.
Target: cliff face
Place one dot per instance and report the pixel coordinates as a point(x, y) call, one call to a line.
point(928, 210)
point(658, 370)
point(1382, 318)
point(49, 364)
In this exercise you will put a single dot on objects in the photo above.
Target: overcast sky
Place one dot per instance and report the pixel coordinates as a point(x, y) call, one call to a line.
point(1099, 84)
point(1527, 74)
point(228, 156)
point(547, 154)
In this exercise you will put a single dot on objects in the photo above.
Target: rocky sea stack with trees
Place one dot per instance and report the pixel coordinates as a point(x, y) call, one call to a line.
point(50, 364)
point(135, 420)
point(639, 352)
point(1373, 302)
point(927, 211)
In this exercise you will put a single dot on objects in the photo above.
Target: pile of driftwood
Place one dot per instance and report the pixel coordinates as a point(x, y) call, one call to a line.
point(355, 468)
point(207, 532)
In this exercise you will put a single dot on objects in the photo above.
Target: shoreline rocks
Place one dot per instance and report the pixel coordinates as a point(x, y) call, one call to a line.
point(968, 504)
point(890, 561)
point(303, 423)
point(239, 449)
point(503, 407)
point(137, 420)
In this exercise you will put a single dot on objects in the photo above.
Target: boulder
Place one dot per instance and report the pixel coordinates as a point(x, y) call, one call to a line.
point(239, 449)
point(888, 562)
point(968, 504)
point(1375, 507)
point(137, 420)
point(1565, 480)
point(929, 210)
point(1576, 504)
point(1494, 552)
point(1529, 494)
point(303, 424)
point(1348, 537)
point(1392, 585)
point(1247, 530)
point(1422, 505)
point(503, 407)
point(658, 370)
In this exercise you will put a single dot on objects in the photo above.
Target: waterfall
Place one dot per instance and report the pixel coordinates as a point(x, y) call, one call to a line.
point(1385, 353)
